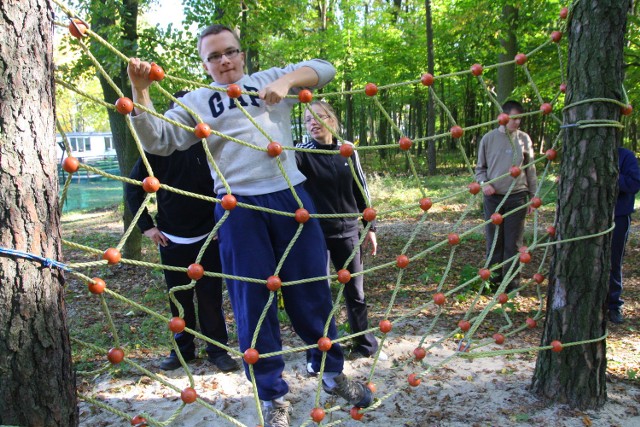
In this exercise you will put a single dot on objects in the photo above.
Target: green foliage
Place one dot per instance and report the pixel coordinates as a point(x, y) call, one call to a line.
point(370, 42)
point(80, 114)
point(467, 273)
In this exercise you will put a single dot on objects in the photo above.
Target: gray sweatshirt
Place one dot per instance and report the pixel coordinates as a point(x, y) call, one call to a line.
point(248, 171)
point(496, 156)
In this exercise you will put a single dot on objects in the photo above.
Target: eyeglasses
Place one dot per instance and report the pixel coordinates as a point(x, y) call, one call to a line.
point(217, 57)
point(322, 117)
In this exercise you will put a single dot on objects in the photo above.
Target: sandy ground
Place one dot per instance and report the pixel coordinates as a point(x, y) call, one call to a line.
point(459, 392)
point(483, 392)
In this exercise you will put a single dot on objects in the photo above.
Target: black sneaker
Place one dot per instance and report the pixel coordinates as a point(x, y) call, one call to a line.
point(224, 362)
point(172, 362)
point(615, 316)
point(354, 392)
point(276, 415)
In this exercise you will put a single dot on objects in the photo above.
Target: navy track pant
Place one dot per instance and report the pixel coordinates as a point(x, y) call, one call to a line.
point(251, 245)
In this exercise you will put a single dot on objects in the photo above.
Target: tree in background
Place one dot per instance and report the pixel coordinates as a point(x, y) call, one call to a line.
point(118, 23)
point(79, 114)
point(579, 276)
point(38, 382)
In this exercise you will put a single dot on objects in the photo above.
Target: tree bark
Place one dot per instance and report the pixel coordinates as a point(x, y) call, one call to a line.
point(38, 382)
point(579, 275)
point(509, 42)
point(104, 17)
point(431, 108)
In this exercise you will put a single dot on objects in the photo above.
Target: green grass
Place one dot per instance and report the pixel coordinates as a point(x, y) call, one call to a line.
point(392, 192)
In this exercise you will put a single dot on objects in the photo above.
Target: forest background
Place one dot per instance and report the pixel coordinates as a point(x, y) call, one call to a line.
point(384, 42)
point(368, 42)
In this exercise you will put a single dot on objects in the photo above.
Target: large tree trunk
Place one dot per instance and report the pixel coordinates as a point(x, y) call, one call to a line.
point(586, 194)
point(37, 386)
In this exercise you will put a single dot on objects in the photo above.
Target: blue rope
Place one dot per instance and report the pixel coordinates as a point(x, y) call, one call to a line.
point(46, 262)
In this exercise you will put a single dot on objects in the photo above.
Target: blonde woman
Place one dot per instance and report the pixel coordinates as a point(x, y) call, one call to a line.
point(334, 190)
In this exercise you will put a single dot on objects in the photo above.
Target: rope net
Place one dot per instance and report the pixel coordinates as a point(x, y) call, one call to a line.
point(469, 343)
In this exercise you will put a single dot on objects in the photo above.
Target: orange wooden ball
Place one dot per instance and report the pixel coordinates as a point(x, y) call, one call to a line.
point(371, 89)
point(413, 380)
point(71, 165)
point(229, 202)
point(317, 414)
point(385, 326)
point(369, 214)
point(202, 130)
point(234, 91)
point(402, 261)
point(274, 283)
point(195, 271)
point(124, 105)
point(324, 344)
point(346, 150)
point(115, 355)
point(405, 143)
point(188, 395)
point(78, 30)
point(274, 149)
point(302, 215)
point(476, 69)
point(427, 79)
point(305, 96)
point(150, 184)
point(112, 255)
point(439, 298)
point(251, 356)
point(156, 73)
point(96, 285)
point(344, 276)
point(177, 325)
point(425, 204)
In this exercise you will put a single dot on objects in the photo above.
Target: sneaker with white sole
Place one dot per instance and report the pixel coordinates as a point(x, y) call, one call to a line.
point(310, 371)
point(276, 415)
point(354, 392)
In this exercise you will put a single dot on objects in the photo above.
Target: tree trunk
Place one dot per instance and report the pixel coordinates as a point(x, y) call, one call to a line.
point(37, 386)
point(348, 111)
point(127, 154)
point(431, 110)
point(509, 42)
point(579, 275)
point(104, 18)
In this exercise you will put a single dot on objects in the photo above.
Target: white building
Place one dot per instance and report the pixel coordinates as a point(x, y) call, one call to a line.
point(87, 146)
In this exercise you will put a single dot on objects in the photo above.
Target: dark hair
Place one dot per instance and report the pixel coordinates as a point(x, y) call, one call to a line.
point(216, 29)
point(178, 94)
point(508, 106)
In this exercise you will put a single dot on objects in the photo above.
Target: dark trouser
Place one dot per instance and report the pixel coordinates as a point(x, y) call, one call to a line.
point(208, 291)
point(340, 250)
point(510, 232)
point(252, 243)
point(618, 242)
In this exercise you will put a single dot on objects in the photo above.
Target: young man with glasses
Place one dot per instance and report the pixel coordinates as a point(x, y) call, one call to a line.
point(252, 242)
